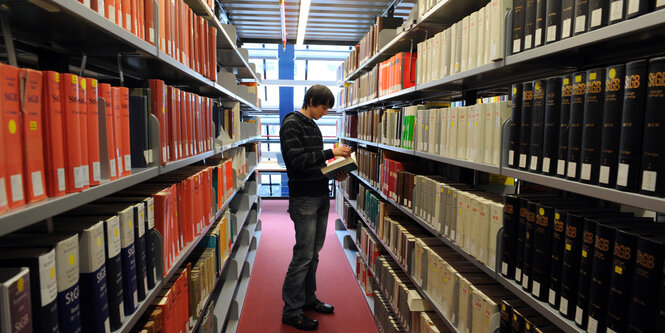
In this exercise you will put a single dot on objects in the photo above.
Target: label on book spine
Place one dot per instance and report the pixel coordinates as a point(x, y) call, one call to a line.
point(616, 10)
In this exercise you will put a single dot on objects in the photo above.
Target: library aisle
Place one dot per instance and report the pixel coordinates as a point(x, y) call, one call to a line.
point(336, 281)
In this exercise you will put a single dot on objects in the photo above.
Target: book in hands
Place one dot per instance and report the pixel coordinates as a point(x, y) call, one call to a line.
point(347, 164)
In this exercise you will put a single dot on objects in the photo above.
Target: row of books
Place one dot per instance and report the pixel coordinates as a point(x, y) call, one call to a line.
point(185, 36)
point(599, 127)
point(364, 275)
point(519, 317)
point(362, 89)
point(379, 35)
point(599, 266)
point(385, 318)
point(536, 23)
point(477, 40)
point(54, 134)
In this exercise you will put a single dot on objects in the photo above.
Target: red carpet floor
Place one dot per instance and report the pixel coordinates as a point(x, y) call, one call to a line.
point(336, 282)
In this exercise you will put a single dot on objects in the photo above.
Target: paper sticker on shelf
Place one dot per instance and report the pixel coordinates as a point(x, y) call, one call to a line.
point(551, 33)
point(522, 161)
point(561, 167)
point(616, 9)
point(622, 174)
point(563, 306)
point(604, 176)
point(596, 17)
point(552, 298)
point(586, 171)
point(580, 23)
point(649, 180)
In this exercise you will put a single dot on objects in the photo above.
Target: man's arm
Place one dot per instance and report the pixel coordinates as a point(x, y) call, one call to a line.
point(294, 152)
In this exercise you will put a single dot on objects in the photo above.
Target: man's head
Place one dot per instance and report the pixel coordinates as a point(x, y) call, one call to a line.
point(318, 99)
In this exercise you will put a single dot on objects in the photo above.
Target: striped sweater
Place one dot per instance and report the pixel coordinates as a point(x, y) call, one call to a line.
point(302, 148)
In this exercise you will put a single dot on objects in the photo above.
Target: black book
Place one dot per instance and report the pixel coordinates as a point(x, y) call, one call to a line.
point(114, 271)
point(659, 326)
point(541, 15)
point(15, 300)
point(581, 17)
point(634, 8)
point(609, 141)
point(564, 125)
point(575, 126)
point(553, 21)
point(509, 238)
point(653, 150)
point(602, 267)
point(43, 287)
point(632, 118)
point(617, 11)
point(537, 126)
point(598, 13)
point(506, 315)
point(515, 120)
point(529, 222)
point(138, 131)
point(141, 257)
point(518, 26)
point(567, 17)
point(217, 117)
point(529, 23)
point(647, 278)
point(559, 248)
point(551, 124)
point(525, 125)
point(592, 130)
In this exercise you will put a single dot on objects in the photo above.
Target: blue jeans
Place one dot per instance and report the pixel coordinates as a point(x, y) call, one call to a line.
point(310, 218)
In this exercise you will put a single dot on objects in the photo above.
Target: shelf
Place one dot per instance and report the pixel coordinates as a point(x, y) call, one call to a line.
point(175, 165)
point(626, 198)
point(462, 163)
point(348, 139)
point(237, 144)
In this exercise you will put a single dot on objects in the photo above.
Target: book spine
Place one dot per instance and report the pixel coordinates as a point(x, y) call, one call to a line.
point(114, 272)
point(646, 281)
point(54, 147)
point(15, 295)
point(621, 275)
point(567, 16)
point(94, 297)
point(592, 130)
point(525, 124)
point(542, 252)
point(12, 135)
point(581, 17)
point(33, 151)
point(632, 118)
point(558, 251)
point(586, 266)
point(521, 239)
point(83, 114)
point(125, 151)
point(611, 128)
point(515, 121)
point(92, 93)
point(67, 272)
point(600, 272)
point(529, 246)
point(141, 258)
point(46, 304)
point(537, 126)
point(571, 264)
point(105, 92)
point(553, 21)
point(575, 125)
point(598, 13)
point(653, 151)
point(541, 17)
point(551, 125)
point(128, 256)
point(529, 23)
point(564, 125)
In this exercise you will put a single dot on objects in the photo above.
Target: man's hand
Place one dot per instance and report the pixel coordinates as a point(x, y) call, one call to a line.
point(342, 151)
point(340, 176)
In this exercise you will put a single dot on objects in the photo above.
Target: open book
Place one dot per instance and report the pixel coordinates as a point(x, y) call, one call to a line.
point(346, 164)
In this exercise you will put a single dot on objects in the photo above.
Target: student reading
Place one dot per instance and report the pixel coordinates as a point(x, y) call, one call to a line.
point(309, 202)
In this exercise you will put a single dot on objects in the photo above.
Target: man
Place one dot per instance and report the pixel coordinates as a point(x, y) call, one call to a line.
point(309, 202)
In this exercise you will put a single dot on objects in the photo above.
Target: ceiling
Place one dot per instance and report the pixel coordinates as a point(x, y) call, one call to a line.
point(340, 22)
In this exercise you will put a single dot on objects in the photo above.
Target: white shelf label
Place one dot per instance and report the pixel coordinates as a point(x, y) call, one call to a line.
point(61, 179)
point(152, 35)
point(551, 33)
point(616, 10)
point(504, 268)
point(112, 14)
point(16, 182)
point(86, 175)
point(546, 164)
point(596, 17)
point(535, 289)
point(78, 177)
point(516, 45)
point(604, 177)
point(527, 41)
point(522, 160)
point(96, 171)
point(649, 180)
point(563, 306)
point(565, 30)
point(622, 174)
point(37, 185)
point(534, 163)
point(3, 193)
point(578, 315)
point(511, 157)
point(122, 310)
point(633, 6)
point(128, 162)
point(592, 327)
point(107, 326)
point(586, 171)
point(660, 2)
point(572, 169)
point(561, 167)
point(539, 37)
point(113, 168)
point(580, 23)
point(552, 298)
point(518, 274)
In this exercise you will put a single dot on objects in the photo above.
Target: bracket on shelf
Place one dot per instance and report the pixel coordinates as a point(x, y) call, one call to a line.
point(84, 60)
point(7, 34)
point(121, 76)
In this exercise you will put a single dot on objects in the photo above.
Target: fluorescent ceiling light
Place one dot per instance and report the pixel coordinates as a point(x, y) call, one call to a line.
point(302, 20)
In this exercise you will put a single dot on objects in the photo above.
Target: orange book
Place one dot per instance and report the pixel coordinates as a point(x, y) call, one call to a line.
point(162, 225)
point(125, 148)
point(54, 155)
point(204, 48)
point(83, 122)
point(190, 125)
point(159, 98)
point(187, 122)
point(228, 169)
point(184, 149)
point(213, 53)
point(13, 134)
point(192, 39)
point(186, 31)
point(119, 17)
point(149, 19)
point(4, 205)
point(93, 132)
point(181, 31)
point(173, 29)
point(33, 151)
point(163, 305)
point(117, 129)
point(106, 92)
point(163, 44)
point(126, 20)
point(172, 123)
point(71, 124)
point(178, 121)
point(109, 10)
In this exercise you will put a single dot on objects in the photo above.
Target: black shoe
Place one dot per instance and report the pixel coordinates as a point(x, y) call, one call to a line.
point(320, 307)
point(301, 322)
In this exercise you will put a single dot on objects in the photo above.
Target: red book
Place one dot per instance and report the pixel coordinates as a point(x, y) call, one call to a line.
point(173, 29)
point(149, 21)
point(163, 44)
point(83, 122)
point(119, 18)
point(192, 39)
point(125, 148)
point(106, 92)
point(159, 97)
point(212, 37)
point(172, 123)
point(117, 127)
point(71, 124)
point(408, 70)
point(178, 121)
point(54, 155)
point(126, 20)
point(162, 225)
point(181, 31)
point(93, 132)
point(228, 165)
point(190, 125)
point(33, 151)
point(13, 134)
point(183, 124)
